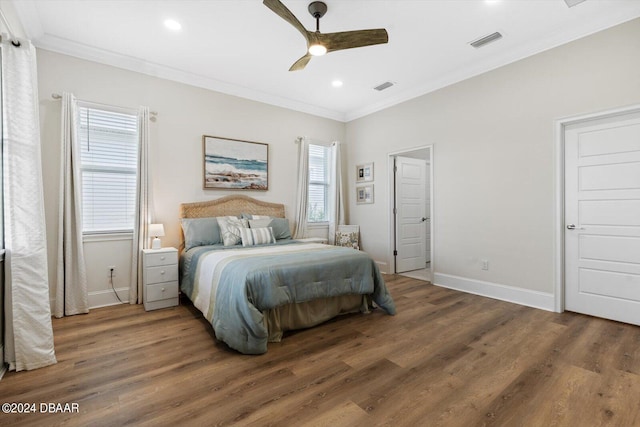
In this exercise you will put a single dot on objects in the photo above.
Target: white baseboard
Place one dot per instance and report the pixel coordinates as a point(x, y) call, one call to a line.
point(103, 298)
point(107, 297)
point(535, 299)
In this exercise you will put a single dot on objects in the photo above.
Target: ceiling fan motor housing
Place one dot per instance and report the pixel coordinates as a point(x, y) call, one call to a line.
point(317, 9)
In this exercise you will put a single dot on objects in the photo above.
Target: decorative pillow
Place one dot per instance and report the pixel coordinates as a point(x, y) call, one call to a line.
point(250, 216)
point(349, 239)
point(281, 229)
point(257, 236)
point(230, 229)
point(200, 232)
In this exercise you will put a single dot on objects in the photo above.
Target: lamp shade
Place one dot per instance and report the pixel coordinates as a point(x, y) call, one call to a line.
point(156, 230)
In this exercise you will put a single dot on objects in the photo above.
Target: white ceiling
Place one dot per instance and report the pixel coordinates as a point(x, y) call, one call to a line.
point(242, 48)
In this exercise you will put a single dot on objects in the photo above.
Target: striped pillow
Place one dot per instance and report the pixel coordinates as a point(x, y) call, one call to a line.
point(257, 236)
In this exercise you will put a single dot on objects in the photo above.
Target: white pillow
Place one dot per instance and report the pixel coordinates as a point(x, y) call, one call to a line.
point(230, 228)
point(260, 217)
point(257, 236)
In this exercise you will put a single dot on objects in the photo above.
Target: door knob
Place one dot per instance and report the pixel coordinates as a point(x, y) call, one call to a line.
point(423, 219)
point(573, 227)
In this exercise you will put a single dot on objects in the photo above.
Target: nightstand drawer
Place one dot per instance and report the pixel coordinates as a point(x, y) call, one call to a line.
point(162, 258)
point(168, 273)
point(161, 291)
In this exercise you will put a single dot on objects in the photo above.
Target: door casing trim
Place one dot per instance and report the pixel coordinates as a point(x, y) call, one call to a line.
point(391, 192)
point(559, 170)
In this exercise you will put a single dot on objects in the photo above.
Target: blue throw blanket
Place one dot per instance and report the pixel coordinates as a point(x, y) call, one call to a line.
point(233, 288)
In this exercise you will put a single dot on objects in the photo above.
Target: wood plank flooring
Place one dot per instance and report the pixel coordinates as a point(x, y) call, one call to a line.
point(446, 359)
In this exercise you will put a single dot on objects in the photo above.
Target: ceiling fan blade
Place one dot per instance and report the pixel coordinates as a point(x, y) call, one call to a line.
point(351, 39)
point(284, 13)
point(300, 63)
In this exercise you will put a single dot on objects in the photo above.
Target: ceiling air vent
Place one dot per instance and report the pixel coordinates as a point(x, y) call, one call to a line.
point(383, 86)
point(571, 3)
point(486, 40)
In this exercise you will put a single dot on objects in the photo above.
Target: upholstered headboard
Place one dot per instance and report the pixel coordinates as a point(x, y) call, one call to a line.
point(228, 205)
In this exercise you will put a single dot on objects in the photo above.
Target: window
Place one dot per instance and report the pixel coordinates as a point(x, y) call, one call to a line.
point(109, 159)
point(318, 183)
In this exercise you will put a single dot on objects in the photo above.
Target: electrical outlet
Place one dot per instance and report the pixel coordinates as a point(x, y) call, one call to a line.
point(485, 264)
point(111, 271)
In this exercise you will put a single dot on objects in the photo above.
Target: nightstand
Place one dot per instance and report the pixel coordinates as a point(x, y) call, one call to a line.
point(160, 278)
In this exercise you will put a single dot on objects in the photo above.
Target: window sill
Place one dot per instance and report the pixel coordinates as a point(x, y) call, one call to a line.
point(106, 237)
point(312, 225)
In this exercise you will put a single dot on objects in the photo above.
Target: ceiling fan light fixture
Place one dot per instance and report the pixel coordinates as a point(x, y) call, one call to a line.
point(317, 49)
point(322, 43)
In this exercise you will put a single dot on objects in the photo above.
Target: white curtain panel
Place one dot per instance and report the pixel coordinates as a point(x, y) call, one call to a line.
point(302, 190)
point(28, 331)
point(336, 193)
point(71, 286)
point(144, 212)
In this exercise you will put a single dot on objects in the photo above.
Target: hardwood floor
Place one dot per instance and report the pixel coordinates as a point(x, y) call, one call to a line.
point(446, 359)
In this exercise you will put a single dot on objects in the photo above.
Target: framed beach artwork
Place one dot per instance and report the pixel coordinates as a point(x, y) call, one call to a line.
point(234, 164)
point(364, 194)
point(364, 173)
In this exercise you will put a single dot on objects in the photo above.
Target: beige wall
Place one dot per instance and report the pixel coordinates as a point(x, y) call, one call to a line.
point(185, 113)
point(493, 139)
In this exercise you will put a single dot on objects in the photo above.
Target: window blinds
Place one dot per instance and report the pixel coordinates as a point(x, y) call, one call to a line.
point(109, 157)
point(318, 182)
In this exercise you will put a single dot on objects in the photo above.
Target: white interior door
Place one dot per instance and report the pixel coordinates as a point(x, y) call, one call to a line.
point(411, 214)
point(602, 218)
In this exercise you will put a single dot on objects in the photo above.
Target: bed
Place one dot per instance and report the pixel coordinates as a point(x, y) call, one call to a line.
point(266, 283)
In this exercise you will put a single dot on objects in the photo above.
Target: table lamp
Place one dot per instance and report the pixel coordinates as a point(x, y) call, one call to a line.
point(156, 230)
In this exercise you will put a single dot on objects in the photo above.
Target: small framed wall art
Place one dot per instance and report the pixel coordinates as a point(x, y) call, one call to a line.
point(364, 194)
point(234, 164)
point(364, 172)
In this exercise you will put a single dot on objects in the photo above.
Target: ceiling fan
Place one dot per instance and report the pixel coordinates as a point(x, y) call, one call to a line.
point(319, 43)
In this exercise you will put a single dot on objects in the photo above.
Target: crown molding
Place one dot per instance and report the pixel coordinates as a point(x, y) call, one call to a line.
point(79, 50)
point(480, 68)
point(30, 20)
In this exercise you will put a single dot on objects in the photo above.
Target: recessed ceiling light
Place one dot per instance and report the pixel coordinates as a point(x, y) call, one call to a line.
point(336, 83)
point(492, 1)
point(172, 24)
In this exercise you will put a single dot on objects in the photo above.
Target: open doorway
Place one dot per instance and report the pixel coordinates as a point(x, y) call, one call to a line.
point(411, 192)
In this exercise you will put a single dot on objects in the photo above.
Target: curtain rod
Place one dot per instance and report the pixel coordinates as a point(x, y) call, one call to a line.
point(14, 39)
point(153, 114)
point(299, 139)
